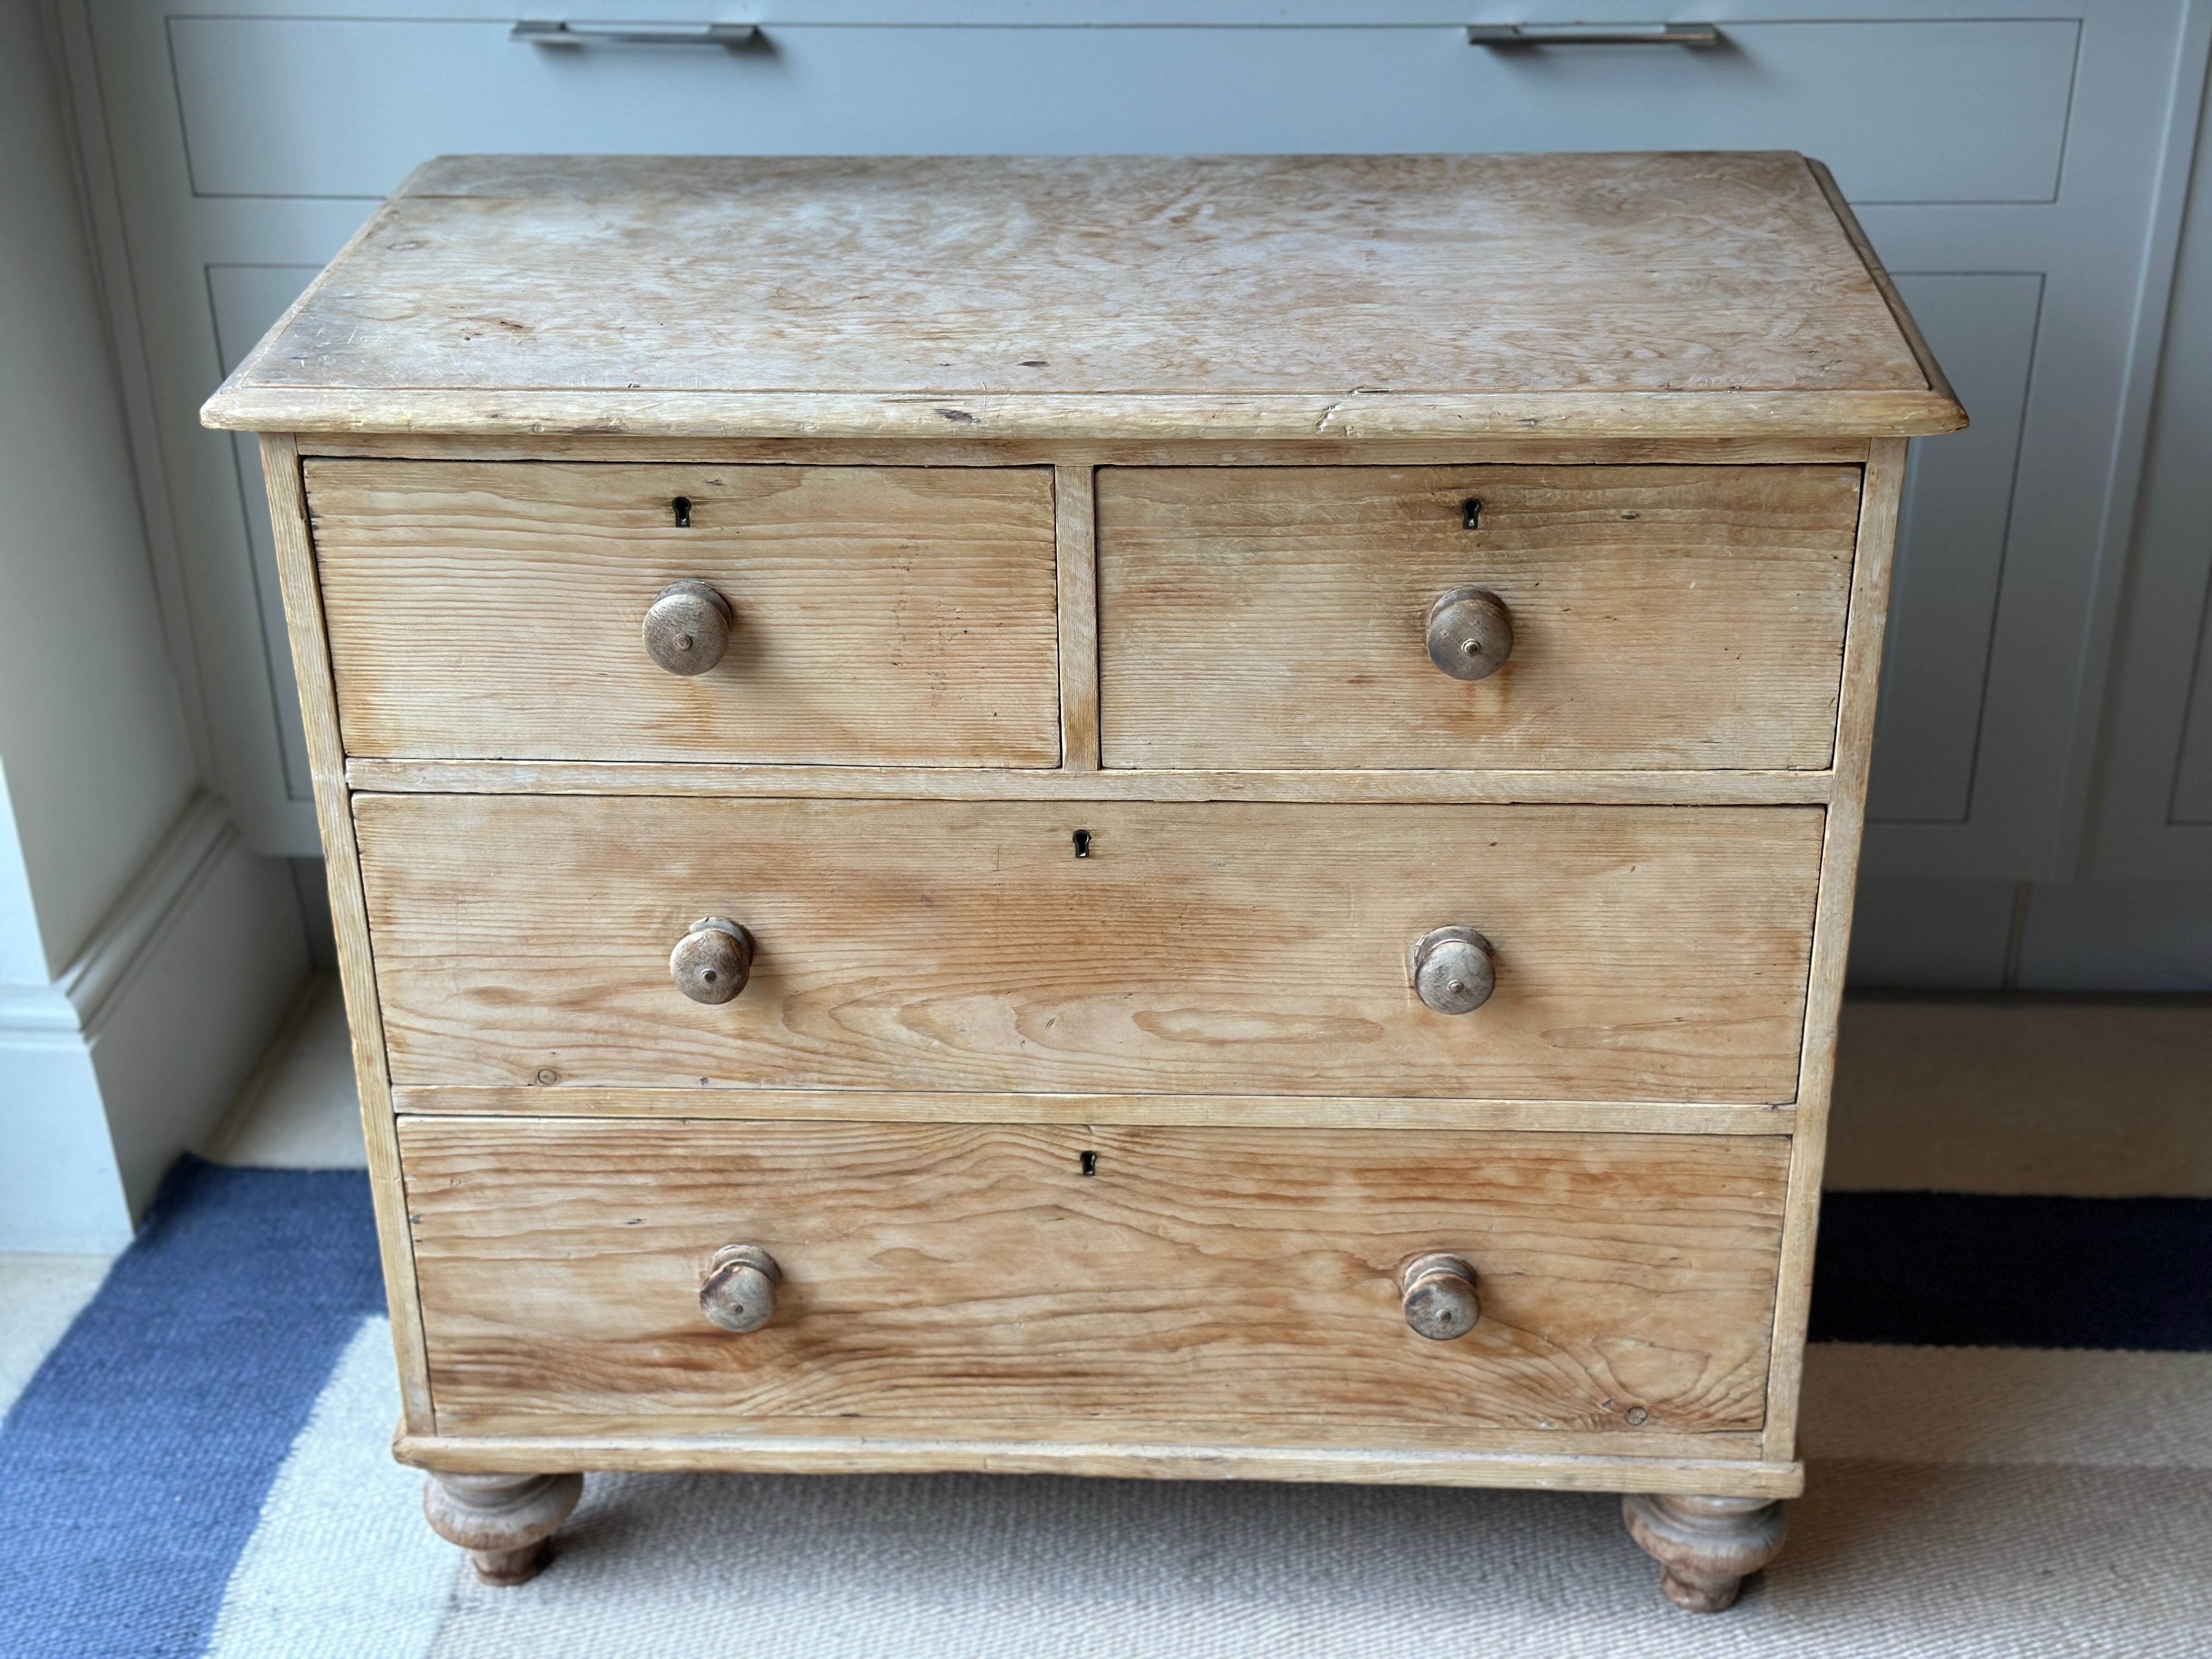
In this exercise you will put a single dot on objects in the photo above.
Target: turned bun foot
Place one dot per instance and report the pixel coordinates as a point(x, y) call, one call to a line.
point(503, 1521)
point(1709, 1546)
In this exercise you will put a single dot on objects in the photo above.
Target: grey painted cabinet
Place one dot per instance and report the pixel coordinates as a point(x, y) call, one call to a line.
point(2021, 164)
point(2154, 803)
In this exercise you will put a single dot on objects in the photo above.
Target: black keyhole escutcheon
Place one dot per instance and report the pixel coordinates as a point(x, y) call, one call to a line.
point(682, 508)
point(1090, 1164)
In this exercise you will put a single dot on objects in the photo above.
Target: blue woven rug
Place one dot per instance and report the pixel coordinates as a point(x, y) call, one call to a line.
point(138, 1463)
point(133, 1467)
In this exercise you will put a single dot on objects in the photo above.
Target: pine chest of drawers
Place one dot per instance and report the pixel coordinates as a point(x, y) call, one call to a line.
point(1135, 818)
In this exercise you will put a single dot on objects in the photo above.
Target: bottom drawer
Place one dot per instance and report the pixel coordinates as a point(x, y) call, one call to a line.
point(1137, 1281)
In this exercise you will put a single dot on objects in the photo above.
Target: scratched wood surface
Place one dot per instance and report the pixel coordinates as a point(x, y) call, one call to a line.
point(1496, 786)
point(1221, 1111)
point(1196, 1451)
point(1662, 616)
point(1832, 933)
point(1492, 449)
point(901, 616)
point(311, 663)
point(1305, 296)
point(974, 1273)
point(1644, 953)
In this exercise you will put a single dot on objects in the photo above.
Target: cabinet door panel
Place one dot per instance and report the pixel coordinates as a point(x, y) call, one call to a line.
point(1903, 109)
point(1950, 547)
point(247, 301)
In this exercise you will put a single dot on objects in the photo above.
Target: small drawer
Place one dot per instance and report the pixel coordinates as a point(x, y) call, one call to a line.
point(1644, 617)
point(1147, 1282)
point(1634, 953)
point(891, 615)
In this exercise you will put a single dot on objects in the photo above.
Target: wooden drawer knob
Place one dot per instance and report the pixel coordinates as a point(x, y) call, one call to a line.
point(712, 962)
point(738, 1292)
point(1470, 633)
point(1453, 970)
point(688, 627)
point(1438, 1295)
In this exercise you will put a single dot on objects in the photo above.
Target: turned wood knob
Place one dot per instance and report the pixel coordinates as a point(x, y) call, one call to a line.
point(688, 627)
point(738, 1292)
point(1453, 970)
point(1438, 1294)
point(1470, 633)
point(712, 962)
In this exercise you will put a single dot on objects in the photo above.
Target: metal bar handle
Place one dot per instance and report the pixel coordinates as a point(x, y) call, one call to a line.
point(544, 33)
point(1503, 37)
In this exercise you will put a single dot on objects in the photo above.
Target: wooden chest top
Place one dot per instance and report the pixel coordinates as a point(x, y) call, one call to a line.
point(1591, 296)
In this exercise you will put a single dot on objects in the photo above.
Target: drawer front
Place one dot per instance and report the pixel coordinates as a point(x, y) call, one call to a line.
point(1906, 107)
point(1642, 953)
point(967, 1273)
point(1667, 617)
point(896, 616)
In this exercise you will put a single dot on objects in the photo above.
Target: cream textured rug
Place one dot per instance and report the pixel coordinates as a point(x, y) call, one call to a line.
point(1886, 1558)
point(1962, 1502)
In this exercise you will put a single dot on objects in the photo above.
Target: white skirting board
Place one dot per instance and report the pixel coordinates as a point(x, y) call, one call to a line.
point(137, 1049)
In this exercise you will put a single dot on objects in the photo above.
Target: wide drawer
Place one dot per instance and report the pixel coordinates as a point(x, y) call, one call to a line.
point(996, 1275)
point(1661, 616)
point(1642, 953)
point(894, 615)
point(1908, 106)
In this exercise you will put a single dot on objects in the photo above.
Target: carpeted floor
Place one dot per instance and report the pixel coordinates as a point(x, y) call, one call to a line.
point(200, 1467)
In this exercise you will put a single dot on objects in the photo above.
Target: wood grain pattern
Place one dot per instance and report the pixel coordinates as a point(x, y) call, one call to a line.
point(1832, 930)
point(892, 615)
point(311, 665)
point(1200, 1451)
point(1930, 370)
point(1316, 1436)
point(1309, 296)
point(1247, 1111)
point(1497, 449)
point(1505, 785)
point(1675, 617)
point(1643, 953)
point(1076, 536)
point(1380, 415)
point(961, 1272)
